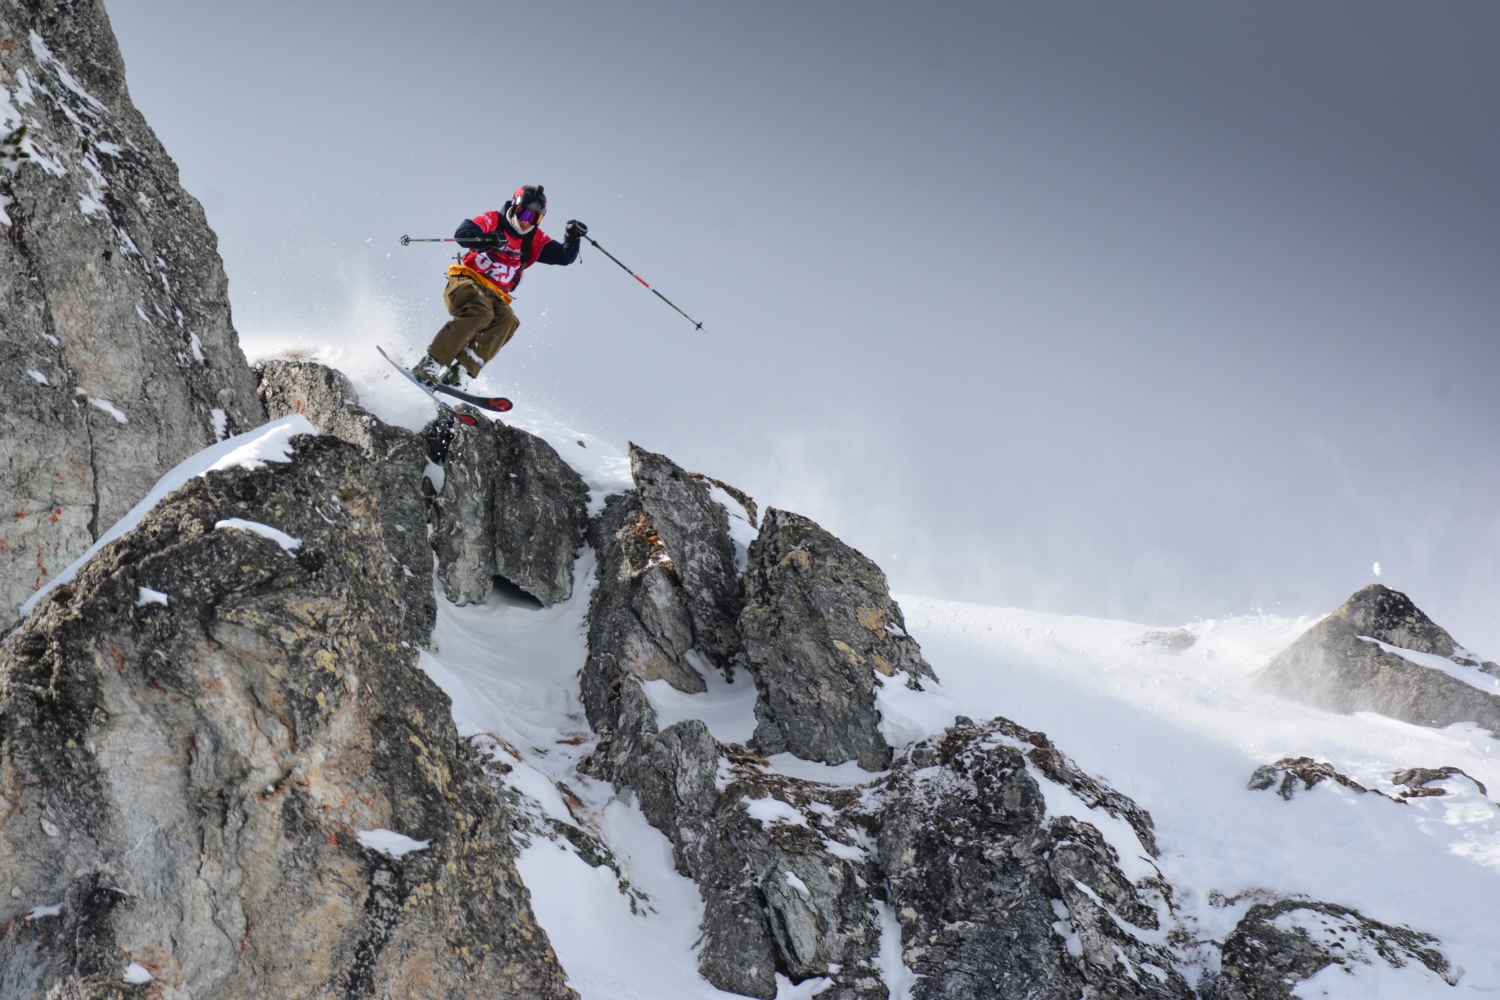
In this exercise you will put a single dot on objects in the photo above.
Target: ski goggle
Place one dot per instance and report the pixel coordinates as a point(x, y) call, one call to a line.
point(529, 215)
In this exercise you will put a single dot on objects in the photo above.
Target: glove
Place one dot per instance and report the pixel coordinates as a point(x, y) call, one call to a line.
point(573, 230)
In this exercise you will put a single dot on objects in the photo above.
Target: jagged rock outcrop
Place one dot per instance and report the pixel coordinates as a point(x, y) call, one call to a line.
point(639, 623)
point(1418, 782)
point(117, 356)
point(463, 515)
point(541, 513)
point(509, 506)
point(1335, 665)
point(694, 533)
point(818, 625)
point(1277, 945)
point(997, 901)
point(209, 743)
point(951, 845)
point(399, 460)
point(1174, 641)
point(1415, 782)
point(953, 839)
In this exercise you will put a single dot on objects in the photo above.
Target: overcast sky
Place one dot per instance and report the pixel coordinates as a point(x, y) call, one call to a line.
point(1149, 310)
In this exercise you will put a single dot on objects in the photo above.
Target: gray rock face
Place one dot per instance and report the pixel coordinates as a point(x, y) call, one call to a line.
point(398, 461)
point(639, 624)
point(187, 782)
point(463, 515)
point(541, 512)
point(117, 357)
point(509, 506)
point(694, 532)
point(818, 625)
point(1278, 945)
point(1331, 666)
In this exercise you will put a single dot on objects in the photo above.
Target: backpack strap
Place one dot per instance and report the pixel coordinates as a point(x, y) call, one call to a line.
point(526, 244)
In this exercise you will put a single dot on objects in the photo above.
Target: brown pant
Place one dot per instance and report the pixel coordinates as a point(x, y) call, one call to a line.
point(481, 322)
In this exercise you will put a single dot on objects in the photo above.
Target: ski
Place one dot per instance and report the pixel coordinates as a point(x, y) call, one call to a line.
point(426, 389)
point(495, 404)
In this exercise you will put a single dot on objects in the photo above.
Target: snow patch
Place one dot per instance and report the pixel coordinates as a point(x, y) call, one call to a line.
point(389, 842)
point(727, 709)
point(109, 408)
point(906, 715)
point(1472, 676)
point(287, 542)
point(197, 347)
point(220, 421)
point(38, 376)
point(149, 596)
point(847, 774)
point(769, 811)
point(137, 974)
point(50, 910)
point(257, 448)
point(898, 978)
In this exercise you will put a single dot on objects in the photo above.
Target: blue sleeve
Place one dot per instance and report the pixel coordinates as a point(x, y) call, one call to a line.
point(471, 237)
point(558, 253)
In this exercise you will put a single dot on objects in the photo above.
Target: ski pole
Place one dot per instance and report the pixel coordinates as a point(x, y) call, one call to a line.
point(637, 277)
point(408, 240)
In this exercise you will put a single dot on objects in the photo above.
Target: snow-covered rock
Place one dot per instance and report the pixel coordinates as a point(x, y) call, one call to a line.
point(399, 459)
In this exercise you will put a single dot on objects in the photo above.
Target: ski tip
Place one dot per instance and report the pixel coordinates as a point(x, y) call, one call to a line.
point(472, 421)
point(501, 404)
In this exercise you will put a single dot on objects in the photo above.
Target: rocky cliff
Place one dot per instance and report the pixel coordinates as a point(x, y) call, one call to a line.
point(219, 765)
point(117, 355)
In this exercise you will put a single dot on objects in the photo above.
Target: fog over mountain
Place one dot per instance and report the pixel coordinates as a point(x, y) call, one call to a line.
point(1160, 312)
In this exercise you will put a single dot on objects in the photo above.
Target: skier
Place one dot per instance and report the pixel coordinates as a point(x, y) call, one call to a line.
point(501, 245)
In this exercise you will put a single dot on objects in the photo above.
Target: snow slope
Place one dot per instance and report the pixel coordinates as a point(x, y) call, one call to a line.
point(1179, 733)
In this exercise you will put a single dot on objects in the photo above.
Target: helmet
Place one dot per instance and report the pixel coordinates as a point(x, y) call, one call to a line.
point(530, 203)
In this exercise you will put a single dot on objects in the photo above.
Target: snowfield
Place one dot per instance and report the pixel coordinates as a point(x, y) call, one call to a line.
point(1180, 733)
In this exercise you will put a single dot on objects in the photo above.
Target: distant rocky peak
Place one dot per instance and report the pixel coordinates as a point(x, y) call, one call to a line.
point(1390, 616)
point(1377, 652)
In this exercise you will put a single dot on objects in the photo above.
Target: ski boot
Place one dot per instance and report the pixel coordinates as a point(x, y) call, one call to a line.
point(429, 370)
